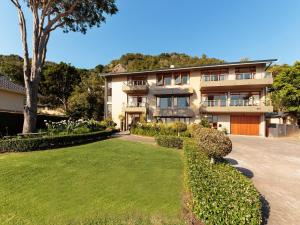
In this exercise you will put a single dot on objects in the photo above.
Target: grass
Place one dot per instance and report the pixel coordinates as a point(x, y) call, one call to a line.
point(107, 182)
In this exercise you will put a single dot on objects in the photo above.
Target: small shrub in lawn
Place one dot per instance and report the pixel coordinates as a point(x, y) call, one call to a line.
point(169, 141)
point(219, 194)
point(215, 144)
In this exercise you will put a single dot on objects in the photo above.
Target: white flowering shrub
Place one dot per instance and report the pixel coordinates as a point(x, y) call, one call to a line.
point(74, 126)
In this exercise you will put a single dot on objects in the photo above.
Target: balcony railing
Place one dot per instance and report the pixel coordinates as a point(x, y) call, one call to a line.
point(135, 107)
point(135, 86)
point(137, 104)
point(173, 112)
point(238, 76)
point(239, 102)
point(136, 83)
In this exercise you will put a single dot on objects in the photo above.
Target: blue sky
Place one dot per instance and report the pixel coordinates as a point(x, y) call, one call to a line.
point(225, 29)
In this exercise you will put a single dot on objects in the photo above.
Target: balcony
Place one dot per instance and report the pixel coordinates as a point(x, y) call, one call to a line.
point(246, 80)
point(136, 108)
point(173, 112)
point(136, 87)
point(229, 106)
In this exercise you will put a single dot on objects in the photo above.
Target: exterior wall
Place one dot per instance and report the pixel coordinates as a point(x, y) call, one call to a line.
point(224, 122)
point(11, 101)
point(119, 98)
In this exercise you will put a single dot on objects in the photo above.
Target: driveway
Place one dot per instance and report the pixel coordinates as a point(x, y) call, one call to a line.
point(274, 167)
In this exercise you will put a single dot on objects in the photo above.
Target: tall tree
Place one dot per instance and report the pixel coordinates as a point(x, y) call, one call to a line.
point(57, 83)
point(49, 15)
point(285, 90)
point(87, 100)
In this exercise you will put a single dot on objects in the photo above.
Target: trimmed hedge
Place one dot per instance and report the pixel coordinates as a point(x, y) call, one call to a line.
point(214, 143)
point(50, 142)
point(169, 141)
point(219, 194)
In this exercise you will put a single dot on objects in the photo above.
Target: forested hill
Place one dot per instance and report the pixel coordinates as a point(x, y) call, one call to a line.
point(138, 62)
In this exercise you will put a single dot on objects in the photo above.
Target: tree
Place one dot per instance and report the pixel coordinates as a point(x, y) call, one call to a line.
point(57, 83)
point(87, 100)
point(285, 90)
point(47, 16)
point(11, 66)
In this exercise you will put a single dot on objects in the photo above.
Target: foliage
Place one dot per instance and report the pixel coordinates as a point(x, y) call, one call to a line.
point(138, 62)
point(205, 123)
point(57, 83)
point(286, 89)
point(50, 142)
point(153, 129)
point(219, 193)
point(74, 126)
point(215, 144)
point(179, 127)
point(12, 67)
point(169, 141)
point(111, 182)
point(87, 100)
point(108, 122)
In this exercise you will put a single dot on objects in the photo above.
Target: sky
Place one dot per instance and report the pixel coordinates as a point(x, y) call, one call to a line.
point(224, 29)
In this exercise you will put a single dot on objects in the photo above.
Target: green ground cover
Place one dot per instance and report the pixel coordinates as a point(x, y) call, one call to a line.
point(107, 182)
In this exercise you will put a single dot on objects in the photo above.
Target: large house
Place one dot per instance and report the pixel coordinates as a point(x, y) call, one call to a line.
point(12, 96)
point(232, 96)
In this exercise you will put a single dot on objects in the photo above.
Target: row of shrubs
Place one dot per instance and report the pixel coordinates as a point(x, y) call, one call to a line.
point(49, 142)
point(218, 193)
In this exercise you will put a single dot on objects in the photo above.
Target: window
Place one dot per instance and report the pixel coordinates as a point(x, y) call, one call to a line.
point(244, 73)
point(212, 100)
point(137, 101)
point(215, 74)
point(160, 80)
point(109, 110)
point(245, 99)
point(109, 90)
point(167, 80)
point(185, 78)
point(181, 78)
point(165, 102)
point(181, 102)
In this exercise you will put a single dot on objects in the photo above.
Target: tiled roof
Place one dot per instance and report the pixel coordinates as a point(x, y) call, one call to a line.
point(6, 84)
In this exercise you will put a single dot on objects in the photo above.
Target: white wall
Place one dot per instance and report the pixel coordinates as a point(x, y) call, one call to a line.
point(224, 121)
point(10, 101)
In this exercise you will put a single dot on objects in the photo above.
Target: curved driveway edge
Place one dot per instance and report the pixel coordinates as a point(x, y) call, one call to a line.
point(274, 167)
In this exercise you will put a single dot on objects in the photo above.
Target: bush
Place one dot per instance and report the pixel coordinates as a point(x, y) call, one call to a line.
point(154, 129)
point(213, 143)
point(42, 143)
point(219, 194)
point(169, 141)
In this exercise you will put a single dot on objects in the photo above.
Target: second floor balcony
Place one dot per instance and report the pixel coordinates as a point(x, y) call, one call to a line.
point(136, 86)
point(174, 112)
point(136, 107)
point(241, 105)
point(244, 80)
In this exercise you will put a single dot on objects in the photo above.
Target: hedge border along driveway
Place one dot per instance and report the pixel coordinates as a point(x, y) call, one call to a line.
point(219, 193)
point(50, 142)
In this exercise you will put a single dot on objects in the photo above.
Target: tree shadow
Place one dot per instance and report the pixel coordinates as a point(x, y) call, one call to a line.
point(246, 172)
point(265, 210)
point(231, 161)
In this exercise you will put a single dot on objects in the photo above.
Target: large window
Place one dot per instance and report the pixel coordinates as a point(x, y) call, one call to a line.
point(173, 102)
point(245, 99)
point(215, 74)
point(244, 73)
point(212, 100)
point(163, 79)
point(137, 101)
point(181, 78)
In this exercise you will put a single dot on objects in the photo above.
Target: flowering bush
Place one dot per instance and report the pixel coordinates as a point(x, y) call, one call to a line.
point(74, 127)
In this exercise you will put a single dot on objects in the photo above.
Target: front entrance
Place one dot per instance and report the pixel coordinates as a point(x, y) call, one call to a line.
point(132, 118)
point(245, 125)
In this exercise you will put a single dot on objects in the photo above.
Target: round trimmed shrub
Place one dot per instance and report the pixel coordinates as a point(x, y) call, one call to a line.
point(215, 144)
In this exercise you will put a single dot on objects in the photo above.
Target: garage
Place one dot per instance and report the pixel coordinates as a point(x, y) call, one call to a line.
point(245, 125)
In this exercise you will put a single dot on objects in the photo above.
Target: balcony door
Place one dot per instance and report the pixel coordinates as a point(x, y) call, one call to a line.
point(245, 99)
point(212, 100)
point(137, 101)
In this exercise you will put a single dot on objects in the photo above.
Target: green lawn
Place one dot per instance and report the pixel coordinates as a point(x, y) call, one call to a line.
point(107, 182)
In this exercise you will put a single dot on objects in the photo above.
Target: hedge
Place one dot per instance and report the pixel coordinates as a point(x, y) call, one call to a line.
point(219, 194)
point(49, 142)
point(169, 141)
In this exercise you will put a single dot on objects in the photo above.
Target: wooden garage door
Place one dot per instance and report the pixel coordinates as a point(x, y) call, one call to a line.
point(245, 125)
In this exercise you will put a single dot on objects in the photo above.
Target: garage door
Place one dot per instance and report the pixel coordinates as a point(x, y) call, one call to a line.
point(245, 125)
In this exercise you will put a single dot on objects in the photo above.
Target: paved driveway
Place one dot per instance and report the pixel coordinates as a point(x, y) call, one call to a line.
point(274, 167)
